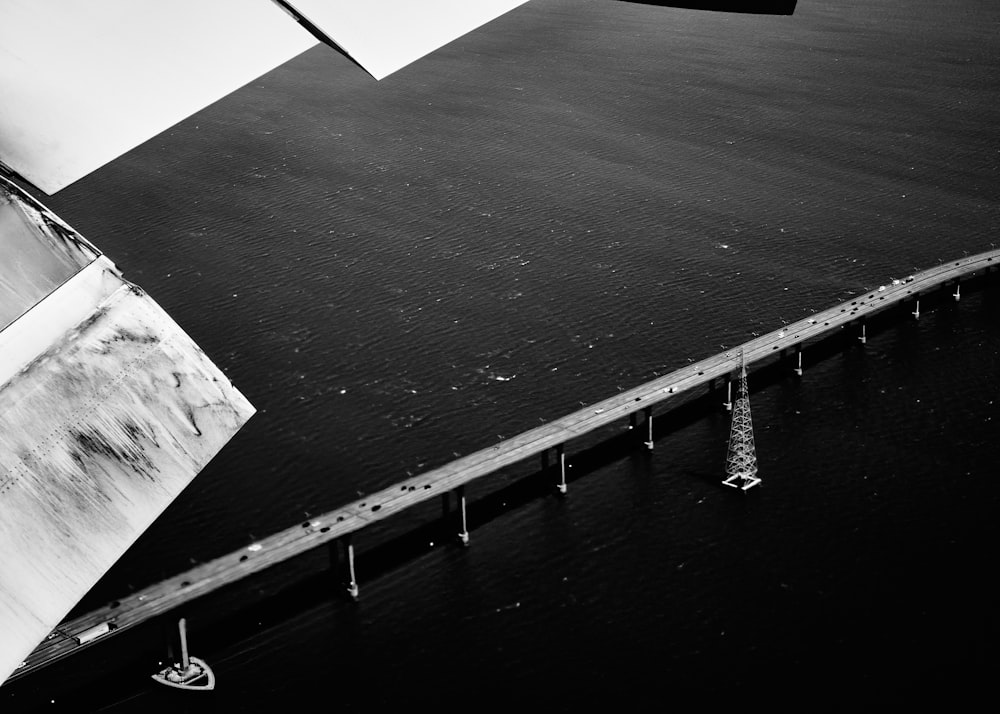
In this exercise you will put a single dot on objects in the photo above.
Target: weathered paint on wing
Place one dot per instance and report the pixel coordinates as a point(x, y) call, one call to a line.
point(107, 411)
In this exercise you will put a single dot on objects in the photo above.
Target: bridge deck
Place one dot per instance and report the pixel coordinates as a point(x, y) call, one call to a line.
point(205, 578)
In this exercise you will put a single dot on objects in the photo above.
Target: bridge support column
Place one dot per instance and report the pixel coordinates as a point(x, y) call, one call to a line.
point(798, 360)
point(864, 334)
point(916, 310)
point(183, 638)
point(347, 548)
point(728, 404)
point(648, 412)
point(561, 465)
point(958, 291)
point(463, 532)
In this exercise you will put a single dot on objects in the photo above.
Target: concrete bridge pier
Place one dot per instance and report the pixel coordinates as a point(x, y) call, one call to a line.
point(343, 555)
point(798, 360)
point(561, 465)
point(648, 413)
point(463, 531)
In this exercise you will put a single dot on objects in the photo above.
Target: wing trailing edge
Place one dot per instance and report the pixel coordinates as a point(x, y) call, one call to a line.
point(383, 36)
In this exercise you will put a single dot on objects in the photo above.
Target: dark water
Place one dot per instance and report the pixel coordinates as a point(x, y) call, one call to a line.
point(574, 199)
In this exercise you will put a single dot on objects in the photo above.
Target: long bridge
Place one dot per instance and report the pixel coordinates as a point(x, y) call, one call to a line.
point(549, 439)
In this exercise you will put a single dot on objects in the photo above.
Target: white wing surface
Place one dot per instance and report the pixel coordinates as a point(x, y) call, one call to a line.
point(84, 81)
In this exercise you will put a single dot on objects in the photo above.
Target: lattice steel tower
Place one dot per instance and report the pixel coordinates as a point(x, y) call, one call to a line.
point(741, 457)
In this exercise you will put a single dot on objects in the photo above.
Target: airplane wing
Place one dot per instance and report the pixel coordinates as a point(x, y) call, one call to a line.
point(107, 411)
point(83, 82)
